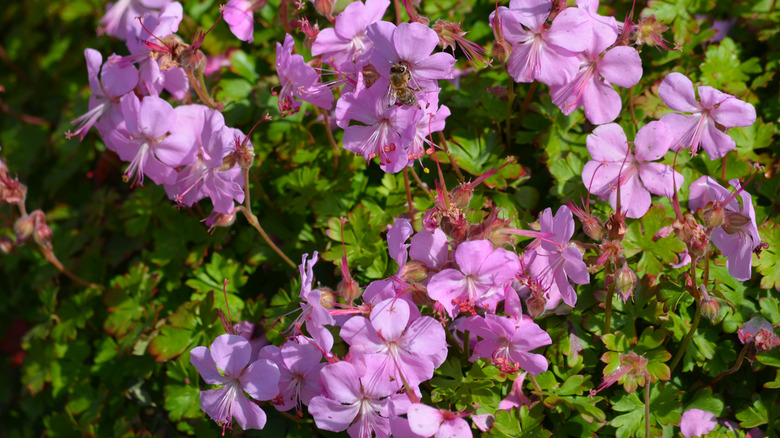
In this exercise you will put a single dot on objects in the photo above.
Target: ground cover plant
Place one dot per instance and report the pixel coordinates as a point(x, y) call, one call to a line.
point(410, 219)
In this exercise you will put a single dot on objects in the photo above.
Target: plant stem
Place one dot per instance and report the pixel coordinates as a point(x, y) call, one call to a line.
point(332, 140)
point(694, 324)
point(252, 219)
point(647, 410)
point(527, 100)
point(510, 100)
point(449, 155)
point(419, 181)
point(51, 258)
point(409, 195)
point(736, 366)
point(608, 310)
point(631, 104)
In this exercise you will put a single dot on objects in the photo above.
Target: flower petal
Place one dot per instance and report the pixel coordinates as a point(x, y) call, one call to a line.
point(660, 179)
point(260, 379)
point(652, 141)
point(621, 66)
point(203, 362)
point(676, 91)
point(231, 353)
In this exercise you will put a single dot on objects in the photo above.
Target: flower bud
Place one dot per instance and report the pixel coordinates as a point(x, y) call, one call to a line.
point(593, 228)
point(349, 290)
point(420, 295)
point(6, 244)
point(220, 220)
point(616, 226)
point(625, 282)
point(324, 7)
point(713, 217)
point(327, 297)
point(24, 227)
point(42, 235)
point(414, 271)
point(461, 195)
point(501, 51)
point(734, 222)
point(710, 307)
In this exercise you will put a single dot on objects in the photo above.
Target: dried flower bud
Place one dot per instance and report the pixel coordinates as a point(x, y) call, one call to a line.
point(734, 222)
point(713, 217)
point(324, 7)
point(649, 31)
point(6, 244)
point(710, 307)
point(501, 51)
point(327, 297)
point(24, 227)
point(349, 290)
point(626, 280)
point(42, 235)
point(616, 226)
point(414, 271)
point(420, 295)
point(220, 220)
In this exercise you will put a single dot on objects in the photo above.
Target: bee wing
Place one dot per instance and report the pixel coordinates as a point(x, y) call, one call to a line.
point(389, 98)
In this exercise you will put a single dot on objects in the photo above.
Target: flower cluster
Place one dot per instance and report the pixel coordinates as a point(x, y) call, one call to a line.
point(188, 148)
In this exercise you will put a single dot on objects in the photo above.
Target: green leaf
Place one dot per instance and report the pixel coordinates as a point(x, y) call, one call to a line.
point(768, 263)
point(753, 416)
point(640, 240)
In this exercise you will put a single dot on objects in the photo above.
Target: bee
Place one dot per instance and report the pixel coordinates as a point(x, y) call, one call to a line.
point(399, 89)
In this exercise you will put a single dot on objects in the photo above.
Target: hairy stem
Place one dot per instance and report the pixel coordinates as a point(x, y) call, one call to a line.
point(510, 100)
point(409, 195)
point(527, 101)
point(736, 366)
point(694, 324)
point(252, 219)
point(608, 310)
point(647, 410)
point(51, 258)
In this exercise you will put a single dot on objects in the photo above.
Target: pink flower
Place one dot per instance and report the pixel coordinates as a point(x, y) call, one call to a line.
point(349, 397)
point(298, 80)
point(700, 127)
point(425, 420)
point(760, 332)
point(208, 176)
point(120, 19)
point(546, 53)
point(227, 363)
point(152, 141)
point(592, 87)
point(508, 342)
point(116, 80)
point(346, 44)
point(410, 44)
point(555, 262)
point(483, 272)
point(238, 16)
point(738, 236)
point(299, 363)
point(383, 132)
point(695, 423)
point(613, 165)
point(404, 344)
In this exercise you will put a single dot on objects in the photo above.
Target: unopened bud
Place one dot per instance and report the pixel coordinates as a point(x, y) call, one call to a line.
point(420, 295)
point(710, 307)
point(324, 7)
point(42, 235)
point(616, 226)
point(501, 51)
point(327, 297)
point(593, 228)
point(625, 282)
point(414, 271)
point(6, 244)
point(24, 227)
point(349, 290)
point(461, 195)
point(713, 217)
point(734, 222)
